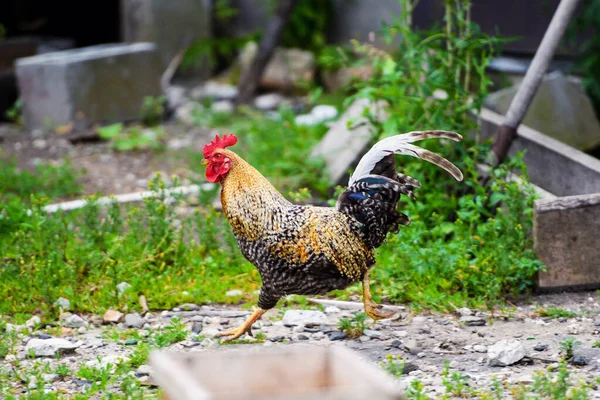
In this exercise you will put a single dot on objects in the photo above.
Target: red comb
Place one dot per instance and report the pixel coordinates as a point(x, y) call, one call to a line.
point(219, 143)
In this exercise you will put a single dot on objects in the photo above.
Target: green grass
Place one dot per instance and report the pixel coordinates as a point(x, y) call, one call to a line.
point(556, 312)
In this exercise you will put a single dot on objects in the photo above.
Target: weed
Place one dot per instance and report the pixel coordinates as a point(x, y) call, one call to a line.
point(596, 344)
point(152, 110)
point(354, 327)
point(567, 346)
point(556, 312)
point(173, 333)
point(455, 383)
point(140, 355)
point(62, 370)
point(14, 112)
point(394, 365)
point(416, 391)
point(132, 138)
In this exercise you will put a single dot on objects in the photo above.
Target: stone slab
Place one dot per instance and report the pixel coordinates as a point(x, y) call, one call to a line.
point(348, 139)
point(560, 109)
point(566, 234)
point(96, 84)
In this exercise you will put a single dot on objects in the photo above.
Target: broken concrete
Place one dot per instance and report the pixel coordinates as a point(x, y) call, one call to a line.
point(342, 147)
point(560, 109)
point(96, 84)
point(567, 240)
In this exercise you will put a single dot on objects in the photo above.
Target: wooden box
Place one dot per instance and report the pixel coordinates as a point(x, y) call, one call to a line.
point(291, 372)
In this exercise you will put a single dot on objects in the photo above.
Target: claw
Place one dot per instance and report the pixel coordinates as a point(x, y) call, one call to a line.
point(246, 327)
point(372, 308)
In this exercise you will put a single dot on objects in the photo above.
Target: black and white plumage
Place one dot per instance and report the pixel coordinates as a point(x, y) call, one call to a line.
point(375, 187)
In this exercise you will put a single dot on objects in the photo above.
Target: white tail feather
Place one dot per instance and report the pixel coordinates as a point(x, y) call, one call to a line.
point(400, 144)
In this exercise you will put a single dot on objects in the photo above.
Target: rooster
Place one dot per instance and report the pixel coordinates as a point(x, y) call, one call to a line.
point(310, 250)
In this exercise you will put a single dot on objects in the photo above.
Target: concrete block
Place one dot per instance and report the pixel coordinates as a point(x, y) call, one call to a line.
point(567, 240)
point(172, 25)
point(348, 139)
point(96, 84)
point(560, 109)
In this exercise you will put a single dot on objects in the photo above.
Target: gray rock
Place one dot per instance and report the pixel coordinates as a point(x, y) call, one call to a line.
point(63, 303)
point(74, 321)
point(196, 327)
point(343, 146)
point(506, 352)
point(304, 318)
point(541, 347)
point(302, 337)
point(472, 321)
point(579, 360)
point(233, 293)
point(372, 334)
point(93, 84)
point(412, 346)
point(560, 109)
point(337, 335)
point(597, 322)
point(49, 347)
point(287, 68)
point(134, 320)
point(332, 310)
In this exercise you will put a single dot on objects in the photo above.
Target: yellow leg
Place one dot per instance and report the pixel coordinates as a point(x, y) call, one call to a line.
point(246, 327)
point(371, 308)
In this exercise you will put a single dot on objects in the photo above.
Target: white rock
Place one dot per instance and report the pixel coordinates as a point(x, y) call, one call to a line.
point(81, 329)
point(269, 101)
point(479, 348)
point(50, 377)
point(14, 328)
point(74, 321)
point(63, 303)
point(574, 329)
point(304, 317)
point(306, 120)
point(49, 347)
point(223, 106)
point(210, 332)
point(324, 112)
point(464, 311)
point(215, 90)
point(33, 321)
point(233, 293)
point(144, 370)
point(122, 287)
point(332, 310)
point(505, 352)
point(112, 359)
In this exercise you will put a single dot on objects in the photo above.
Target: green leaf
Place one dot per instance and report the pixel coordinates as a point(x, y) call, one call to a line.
point(110, 131)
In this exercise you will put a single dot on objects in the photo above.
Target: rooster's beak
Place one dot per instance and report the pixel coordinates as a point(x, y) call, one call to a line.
point(204, 161)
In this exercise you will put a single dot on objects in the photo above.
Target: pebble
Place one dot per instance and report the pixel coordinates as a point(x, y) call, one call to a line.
point(332, 310)
point(189, 307)
point(33, 322)
point(302, 337)
point(197, 327)
point(540, 347)
point(472, 321)
point(276, 338)
point(112, 316)
point(233, 293)
point(337, 335)
point(122, 287)
point(372, 334)
point(144, 370)
point(479, 348)
point(505, 352)
point(579, 360)
point(134, 320)
point(303, 317)
point(465, 312)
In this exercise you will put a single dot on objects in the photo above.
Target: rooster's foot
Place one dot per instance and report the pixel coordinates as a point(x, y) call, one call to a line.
point(372, 310)
point(246, 327)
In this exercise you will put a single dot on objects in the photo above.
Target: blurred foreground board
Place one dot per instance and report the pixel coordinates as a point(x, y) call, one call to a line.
point(284, 373)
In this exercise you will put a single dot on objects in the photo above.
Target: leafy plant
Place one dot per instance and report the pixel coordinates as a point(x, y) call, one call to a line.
point(567, 346)
point(132, 138)
point(14, 112)
point(354, 327)
point(394, 365)
point(152, 110)
point(172, 333)
point(556, 312)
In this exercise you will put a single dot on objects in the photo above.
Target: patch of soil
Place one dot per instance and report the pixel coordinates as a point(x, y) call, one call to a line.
point(108, 171)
